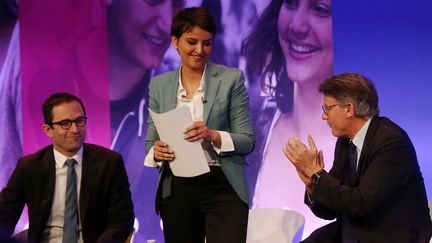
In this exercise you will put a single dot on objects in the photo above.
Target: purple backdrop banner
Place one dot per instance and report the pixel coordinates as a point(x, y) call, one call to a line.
point(106, 52)
point(64, 48)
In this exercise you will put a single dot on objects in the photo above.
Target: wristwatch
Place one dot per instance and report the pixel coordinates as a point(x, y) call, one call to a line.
point(316, 176)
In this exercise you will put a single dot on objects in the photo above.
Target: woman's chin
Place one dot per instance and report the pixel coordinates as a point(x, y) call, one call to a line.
point(307, 74)
point(149, 62)
point(299, 75)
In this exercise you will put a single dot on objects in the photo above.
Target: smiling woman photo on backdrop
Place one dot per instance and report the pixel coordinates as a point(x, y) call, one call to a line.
point(290, 52)
point(139, 36)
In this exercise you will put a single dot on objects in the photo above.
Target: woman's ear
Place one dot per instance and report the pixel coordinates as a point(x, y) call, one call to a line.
point(174, 41)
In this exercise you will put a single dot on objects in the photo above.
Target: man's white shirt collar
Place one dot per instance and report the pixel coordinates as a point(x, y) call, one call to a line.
point(60, 159)
point(359, 138)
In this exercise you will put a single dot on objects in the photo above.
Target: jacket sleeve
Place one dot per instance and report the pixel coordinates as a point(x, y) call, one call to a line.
point(12, 200)
point(152, 135)
point(240, 123)
point(319, 210)
point(120, 208)
point(389, 166)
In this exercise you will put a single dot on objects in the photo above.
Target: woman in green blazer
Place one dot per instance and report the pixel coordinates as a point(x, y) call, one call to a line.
point(212, 206)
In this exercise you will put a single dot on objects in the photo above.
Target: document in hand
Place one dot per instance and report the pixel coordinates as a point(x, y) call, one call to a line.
point(189, 156)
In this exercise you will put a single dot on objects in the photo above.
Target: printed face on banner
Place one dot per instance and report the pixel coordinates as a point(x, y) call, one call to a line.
point(305, 36)
point(140, 29)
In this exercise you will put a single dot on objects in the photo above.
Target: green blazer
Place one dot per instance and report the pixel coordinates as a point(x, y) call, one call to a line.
point(226, 109)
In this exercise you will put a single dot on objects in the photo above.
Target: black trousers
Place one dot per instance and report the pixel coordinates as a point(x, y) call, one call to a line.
point(204, 207)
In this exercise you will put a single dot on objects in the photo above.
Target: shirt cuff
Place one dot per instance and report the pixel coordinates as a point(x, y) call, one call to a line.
point(227, 144)
point(149, 160)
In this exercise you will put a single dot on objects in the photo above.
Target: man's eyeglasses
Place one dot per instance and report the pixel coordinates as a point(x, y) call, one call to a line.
point(326, 108)
point(67, 124)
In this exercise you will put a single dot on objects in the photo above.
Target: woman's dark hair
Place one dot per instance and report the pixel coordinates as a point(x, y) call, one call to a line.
point(185, 20)
point(265, 59)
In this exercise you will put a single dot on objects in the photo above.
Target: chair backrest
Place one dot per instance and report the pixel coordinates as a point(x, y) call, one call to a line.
point(274, 225)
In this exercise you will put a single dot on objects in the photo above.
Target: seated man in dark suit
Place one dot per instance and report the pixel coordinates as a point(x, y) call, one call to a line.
point(74, 192)
point(375, 189)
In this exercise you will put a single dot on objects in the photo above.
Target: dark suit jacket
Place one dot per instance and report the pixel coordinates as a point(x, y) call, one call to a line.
point(106, 208)
point(388, 202)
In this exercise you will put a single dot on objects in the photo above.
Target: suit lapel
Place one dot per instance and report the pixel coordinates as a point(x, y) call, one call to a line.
point(369, 135)
point(48, 189)
point(211, 88)
point(86, 177)
point(341, 159)
point(49, 163)
point(171, 89)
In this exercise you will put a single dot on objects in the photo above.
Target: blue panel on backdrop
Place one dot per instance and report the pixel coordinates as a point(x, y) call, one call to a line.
point(390, 42)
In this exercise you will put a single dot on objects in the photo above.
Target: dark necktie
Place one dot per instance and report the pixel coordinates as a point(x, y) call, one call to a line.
point(348, 235)
point(70, 226)
point(352, 164)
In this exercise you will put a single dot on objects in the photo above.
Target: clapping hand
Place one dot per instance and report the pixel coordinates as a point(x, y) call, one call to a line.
point(307, 161)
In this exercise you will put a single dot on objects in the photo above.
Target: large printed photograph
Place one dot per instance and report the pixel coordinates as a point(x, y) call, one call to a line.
point(107, 51)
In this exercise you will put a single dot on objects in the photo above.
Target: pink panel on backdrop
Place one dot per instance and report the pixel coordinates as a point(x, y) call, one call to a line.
point(64, 49)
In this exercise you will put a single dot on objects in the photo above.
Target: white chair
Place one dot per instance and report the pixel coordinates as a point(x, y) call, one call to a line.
point(274, 225)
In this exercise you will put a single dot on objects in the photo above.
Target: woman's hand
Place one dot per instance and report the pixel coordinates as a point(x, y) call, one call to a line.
point(162, 152)
point(198, 130)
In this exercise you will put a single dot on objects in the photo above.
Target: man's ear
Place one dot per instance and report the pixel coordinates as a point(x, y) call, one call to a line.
point(47, 130)
point(350, 110)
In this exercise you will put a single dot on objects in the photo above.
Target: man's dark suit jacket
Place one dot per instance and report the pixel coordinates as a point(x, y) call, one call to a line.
point(388, 202)
point(106, 208)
